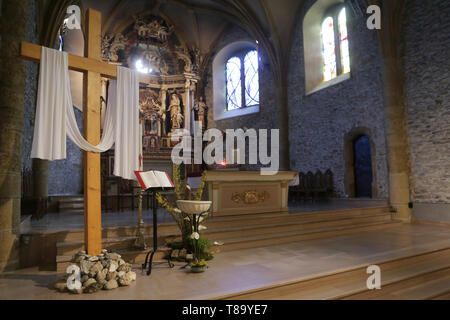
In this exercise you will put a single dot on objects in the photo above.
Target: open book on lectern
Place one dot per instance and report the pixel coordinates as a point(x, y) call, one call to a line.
point(154, 179)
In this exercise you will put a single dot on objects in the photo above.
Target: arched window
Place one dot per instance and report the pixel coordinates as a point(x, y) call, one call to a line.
point(335, 52)
point(62, 31)
point(234, 83)
point(242, 80)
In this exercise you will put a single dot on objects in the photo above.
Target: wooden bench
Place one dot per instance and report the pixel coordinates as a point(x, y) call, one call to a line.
point(311, 186)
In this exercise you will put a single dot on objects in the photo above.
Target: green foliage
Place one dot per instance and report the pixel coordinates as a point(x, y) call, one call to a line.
point(207, 256)
point(203, 248)
point(203, 244)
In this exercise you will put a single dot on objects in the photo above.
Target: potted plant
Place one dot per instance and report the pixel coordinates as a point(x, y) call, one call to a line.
point(199, 266)
point(189, 214)
point(195, 211)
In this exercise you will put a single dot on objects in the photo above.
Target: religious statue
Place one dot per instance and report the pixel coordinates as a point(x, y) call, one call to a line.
point(201, 108)
point(152, 111)
point(175, 112)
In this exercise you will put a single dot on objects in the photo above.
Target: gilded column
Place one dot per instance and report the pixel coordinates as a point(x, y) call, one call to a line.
point(187, 104)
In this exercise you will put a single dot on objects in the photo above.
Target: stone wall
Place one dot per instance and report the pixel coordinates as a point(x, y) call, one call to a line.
point(65, 177)
point(267, 117)
point(426, 47)
point(319, 122)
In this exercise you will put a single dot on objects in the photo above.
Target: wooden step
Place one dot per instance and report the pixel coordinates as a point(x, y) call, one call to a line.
point(111, 244)
point(130, 256)
point(303, 216)
point(70, 198)
point(419, 287)
point(287, 237)
point(118, 232)
point(71, 204)
point(240, 232)
point(223, 234)
point(350, 282)
point(138, 256)
point(231, 221)
point(290, 226)
point(442, 296)
point(72, 211)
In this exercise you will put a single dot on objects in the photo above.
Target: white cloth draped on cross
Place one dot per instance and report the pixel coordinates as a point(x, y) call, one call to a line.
point(55, 117)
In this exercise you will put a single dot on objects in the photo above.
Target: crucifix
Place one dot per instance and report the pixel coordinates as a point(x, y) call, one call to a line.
point(93, 69)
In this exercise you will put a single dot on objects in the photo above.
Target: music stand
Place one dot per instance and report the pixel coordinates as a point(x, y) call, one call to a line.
point(155, 236)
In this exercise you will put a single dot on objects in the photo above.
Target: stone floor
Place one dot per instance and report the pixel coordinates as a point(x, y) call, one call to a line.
point(61, 222)
point(247, 269)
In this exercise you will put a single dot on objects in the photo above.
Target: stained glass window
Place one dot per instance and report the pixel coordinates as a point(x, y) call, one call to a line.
point(251, 78)
point(336, 56)
point(234, 84)
point(328, 49)
point(343, 38)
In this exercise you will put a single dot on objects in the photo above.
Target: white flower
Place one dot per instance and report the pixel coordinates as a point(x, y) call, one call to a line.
point(202, 227)
point(177, 210)
point(195, 235)
point(200, 219)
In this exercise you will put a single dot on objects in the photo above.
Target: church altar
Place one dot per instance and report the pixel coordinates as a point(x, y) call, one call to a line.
point(246, 192)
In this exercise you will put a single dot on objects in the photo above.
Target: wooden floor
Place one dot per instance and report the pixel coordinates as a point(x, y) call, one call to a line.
point(414, 262)
point(233, 232)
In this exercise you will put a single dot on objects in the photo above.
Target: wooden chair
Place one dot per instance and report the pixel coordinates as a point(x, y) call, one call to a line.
point(124, 191)
point(329, 183)
point(107, 197)
point(309, 186)
point(294, 187)
point(318, 187)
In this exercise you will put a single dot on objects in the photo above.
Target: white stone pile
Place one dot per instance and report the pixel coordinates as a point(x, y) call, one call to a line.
point(105, 271)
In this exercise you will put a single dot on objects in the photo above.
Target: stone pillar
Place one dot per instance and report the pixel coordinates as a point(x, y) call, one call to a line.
point(40, 179)
point(12, 83)
point(395, 109)
point(192, 90)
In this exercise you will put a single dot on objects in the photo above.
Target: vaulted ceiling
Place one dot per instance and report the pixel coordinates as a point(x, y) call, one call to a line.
point(201, 22)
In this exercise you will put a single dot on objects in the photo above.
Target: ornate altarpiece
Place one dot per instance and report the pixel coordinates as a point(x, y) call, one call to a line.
point(167, 102)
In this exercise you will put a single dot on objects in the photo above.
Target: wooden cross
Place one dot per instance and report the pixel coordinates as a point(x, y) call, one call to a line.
point(93, 68)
